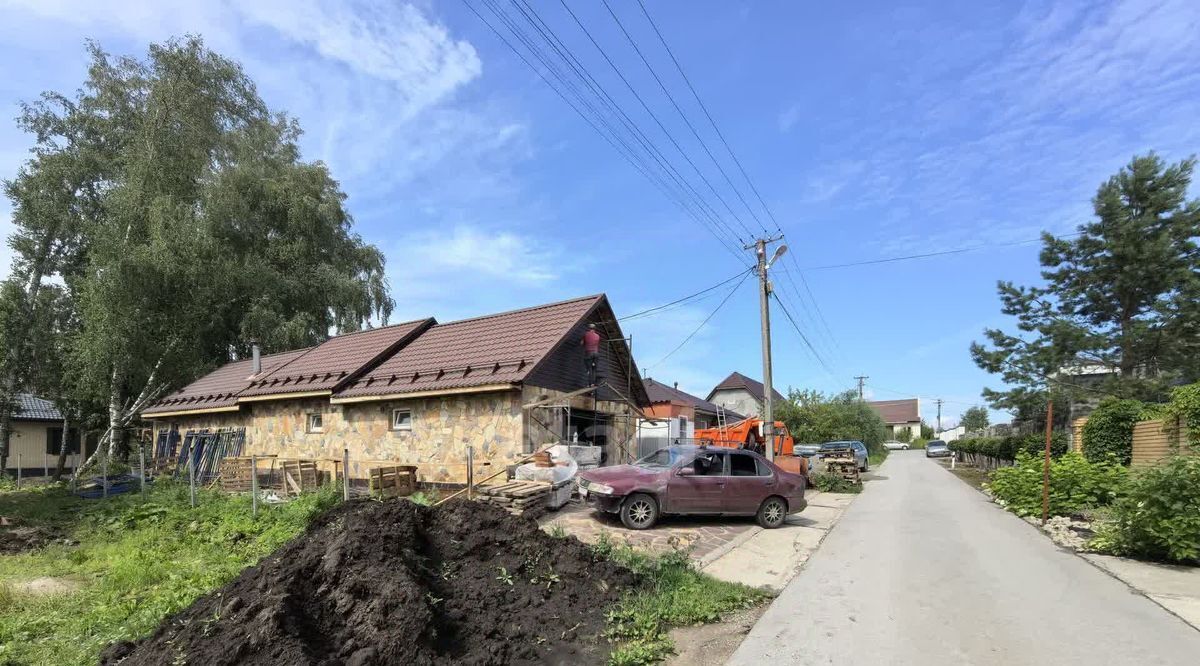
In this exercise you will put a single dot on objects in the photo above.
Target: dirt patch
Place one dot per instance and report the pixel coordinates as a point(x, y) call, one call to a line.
point(398, 583)
point(21, 539)
point(713, 644)
point(46, 586)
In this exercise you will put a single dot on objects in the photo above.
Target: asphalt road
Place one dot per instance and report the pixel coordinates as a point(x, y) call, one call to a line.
point(922, 569)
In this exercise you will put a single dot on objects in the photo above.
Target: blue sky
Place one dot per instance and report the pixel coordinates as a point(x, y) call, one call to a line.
point(872, 131)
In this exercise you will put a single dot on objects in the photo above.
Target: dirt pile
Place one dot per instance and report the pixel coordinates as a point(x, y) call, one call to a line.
point(397, 583)
point(20, 539)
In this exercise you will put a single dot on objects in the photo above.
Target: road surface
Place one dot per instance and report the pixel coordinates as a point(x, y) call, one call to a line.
point(922, 569)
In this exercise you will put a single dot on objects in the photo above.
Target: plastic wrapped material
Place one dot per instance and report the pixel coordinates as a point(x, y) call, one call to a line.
point(587, 456)
point(564, 468)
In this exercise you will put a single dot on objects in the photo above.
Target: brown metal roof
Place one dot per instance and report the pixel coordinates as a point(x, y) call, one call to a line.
point(336, 361)
point(495, 349)
point(220, 387)
point(737, 380)
point(907, 410)
point(659, 392)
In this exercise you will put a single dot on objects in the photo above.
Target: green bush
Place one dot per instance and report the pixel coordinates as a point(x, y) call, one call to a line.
point(1184, 409)
point(832, 483)
point(1006, 448)
point(904, 436)
point(1158, 517)
point(1109, 430)
point(1075, 484)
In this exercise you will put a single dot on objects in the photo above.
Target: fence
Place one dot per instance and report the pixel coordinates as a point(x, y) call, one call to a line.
point(1152, 441)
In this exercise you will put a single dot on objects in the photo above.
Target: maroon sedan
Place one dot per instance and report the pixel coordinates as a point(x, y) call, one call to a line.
point(685, 480)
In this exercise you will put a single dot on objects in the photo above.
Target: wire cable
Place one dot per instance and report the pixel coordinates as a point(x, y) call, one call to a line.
point(820, 359)
point(689, 297)
point(703, 323)
point(926, 255)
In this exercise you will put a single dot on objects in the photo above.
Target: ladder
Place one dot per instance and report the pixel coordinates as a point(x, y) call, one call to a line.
point(722, 422)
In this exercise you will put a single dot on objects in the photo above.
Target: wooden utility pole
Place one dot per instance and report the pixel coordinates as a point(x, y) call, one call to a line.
point(1046, 463)
point(861, 380)
point(764, 304)
point(939, 402)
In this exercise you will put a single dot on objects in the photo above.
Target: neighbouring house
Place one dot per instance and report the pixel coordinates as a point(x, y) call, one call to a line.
point(900, 416)
point(36, 438)
point(738, 393)
point(675, 415)
point(421, 392)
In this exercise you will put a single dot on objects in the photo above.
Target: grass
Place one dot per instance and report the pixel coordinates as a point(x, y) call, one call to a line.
point(675, 594)
point(136, 561)
point(972, 476)
point(876, 458)
point(832, 483)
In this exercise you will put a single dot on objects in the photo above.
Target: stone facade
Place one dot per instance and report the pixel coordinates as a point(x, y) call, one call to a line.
point(442, 428)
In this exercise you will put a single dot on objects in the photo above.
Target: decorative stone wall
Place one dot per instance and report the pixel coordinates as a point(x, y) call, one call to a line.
point(442, 428)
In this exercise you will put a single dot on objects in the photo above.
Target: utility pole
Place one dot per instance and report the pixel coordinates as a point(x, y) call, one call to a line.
point(939, 402)
point(861, 379)
point(1046, 462)
point(764, 304)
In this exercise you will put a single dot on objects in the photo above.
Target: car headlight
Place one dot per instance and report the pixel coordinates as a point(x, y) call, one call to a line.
point(599, 488)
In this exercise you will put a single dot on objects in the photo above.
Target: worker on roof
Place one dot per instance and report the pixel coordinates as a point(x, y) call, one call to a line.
point(591, 352)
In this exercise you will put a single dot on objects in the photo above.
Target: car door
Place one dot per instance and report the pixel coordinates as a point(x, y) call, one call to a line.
point(698, 488)
point(750, 482)
point(860, 453)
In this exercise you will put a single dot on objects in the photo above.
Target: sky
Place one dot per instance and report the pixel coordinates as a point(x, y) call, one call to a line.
point(871, 131)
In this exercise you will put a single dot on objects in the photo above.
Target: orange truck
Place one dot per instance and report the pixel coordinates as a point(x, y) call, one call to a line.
point(748, 434)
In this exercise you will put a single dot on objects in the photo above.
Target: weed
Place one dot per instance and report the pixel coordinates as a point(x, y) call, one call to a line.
point(558, 532)
point(420, 498)
point(504, 576)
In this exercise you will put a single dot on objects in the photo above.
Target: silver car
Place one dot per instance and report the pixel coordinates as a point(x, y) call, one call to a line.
point(893, 445)
point(937, 449)
point(859, 449)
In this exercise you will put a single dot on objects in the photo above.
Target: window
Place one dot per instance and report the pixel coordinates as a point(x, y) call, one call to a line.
point(742, 465)
point(54, 441)
point(315, 422)
point(763, 468)
point(401, 419)
point(710, 463)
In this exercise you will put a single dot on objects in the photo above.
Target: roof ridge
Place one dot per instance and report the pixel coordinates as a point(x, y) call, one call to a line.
point(376, 328)
point(525, 309)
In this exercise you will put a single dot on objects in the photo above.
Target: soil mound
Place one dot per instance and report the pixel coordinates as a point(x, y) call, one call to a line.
point(398, 583)
point(15, 540)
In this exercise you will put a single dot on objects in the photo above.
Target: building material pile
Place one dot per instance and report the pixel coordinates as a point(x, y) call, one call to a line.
point(516, 497)
point(394, 582)
point(841, 462)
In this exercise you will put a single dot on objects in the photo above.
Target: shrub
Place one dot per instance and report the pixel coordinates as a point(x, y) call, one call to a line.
point(904, 436)
point(832, 483)
point(1005, 449)
point(1075, 484)
point(1109, 430)
point(1158, 517)
point(1184, 410)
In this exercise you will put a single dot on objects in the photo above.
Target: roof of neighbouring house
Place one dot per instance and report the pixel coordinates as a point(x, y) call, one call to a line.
point(494, 349)
point(417, 356)
point(29, 407)
point(660, 392)
point(737, 380)
point(907, 410)
point(337, 361)
point(220, 388)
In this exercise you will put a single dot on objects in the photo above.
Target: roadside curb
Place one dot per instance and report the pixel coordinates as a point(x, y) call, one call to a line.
point(718, 553)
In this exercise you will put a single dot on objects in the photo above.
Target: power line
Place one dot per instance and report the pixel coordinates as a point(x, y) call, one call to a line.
point(803, 337)
point(650, 112)
point(677, 301)
point(702, 324)
point(601, 93)
point(926, 255)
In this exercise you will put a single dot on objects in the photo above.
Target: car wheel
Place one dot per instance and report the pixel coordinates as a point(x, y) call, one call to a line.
point(904, 448)
point(772, 513)
point(639, 511)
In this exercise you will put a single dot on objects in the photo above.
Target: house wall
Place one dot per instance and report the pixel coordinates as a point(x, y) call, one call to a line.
point(738, 400)
point(28, 439)
point(442, 428)
point(913, 428)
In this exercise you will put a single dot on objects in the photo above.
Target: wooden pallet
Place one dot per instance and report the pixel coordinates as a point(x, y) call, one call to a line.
point(394, 480)
point(516, 497)
point(299, 476)
point(237, 475)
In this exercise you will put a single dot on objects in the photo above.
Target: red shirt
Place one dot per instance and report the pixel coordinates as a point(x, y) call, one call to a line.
point(591, 342)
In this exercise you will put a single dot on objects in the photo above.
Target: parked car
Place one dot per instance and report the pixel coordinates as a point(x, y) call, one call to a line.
point(859, 449)
point(893, 445)
point(807, 450)
point(936, 449)
point(687, 480)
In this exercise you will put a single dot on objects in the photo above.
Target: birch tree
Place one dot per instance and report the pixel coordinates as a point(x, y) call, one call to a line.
point(188, 225)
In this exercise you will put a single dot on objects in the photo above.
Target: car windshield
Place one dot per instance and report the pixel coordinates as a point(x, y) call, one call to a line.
point(667, 457)
point(934, 445)
point(837, 445)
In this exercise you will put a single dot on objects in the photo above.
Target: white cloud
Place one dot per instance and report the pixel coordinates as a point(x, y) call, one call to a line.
point(789, 117)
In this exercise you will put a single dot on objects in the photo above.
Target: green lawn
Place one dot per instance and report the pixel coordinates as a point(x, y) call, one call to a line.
point(136, 562)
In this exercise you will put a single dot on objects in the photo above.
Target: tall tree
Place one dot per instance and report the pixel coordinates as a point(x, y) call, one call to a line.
point(188, 226)
point(974, 419)
point(1119, 300)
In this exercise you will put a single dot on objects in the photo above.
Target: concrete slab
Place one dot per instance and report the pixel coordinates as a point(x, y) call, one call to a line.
point(1175, 588)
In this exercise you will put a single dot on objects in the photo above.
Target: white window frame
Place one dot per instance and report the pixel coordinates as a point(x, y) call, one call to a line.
point(309, 426)
point(402, 428)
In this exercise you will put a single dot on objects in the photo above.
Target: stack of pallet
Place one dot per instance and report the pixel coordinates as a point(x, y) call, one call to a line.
point(516, 497)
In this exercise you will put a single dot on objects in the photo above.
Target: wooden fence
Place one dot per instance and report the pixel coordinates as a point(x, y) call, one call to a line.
point(1152, 442)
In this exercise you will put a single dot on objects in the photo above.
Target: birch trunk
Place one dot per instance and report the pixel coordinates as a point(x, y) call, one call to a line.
point(63, 447)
